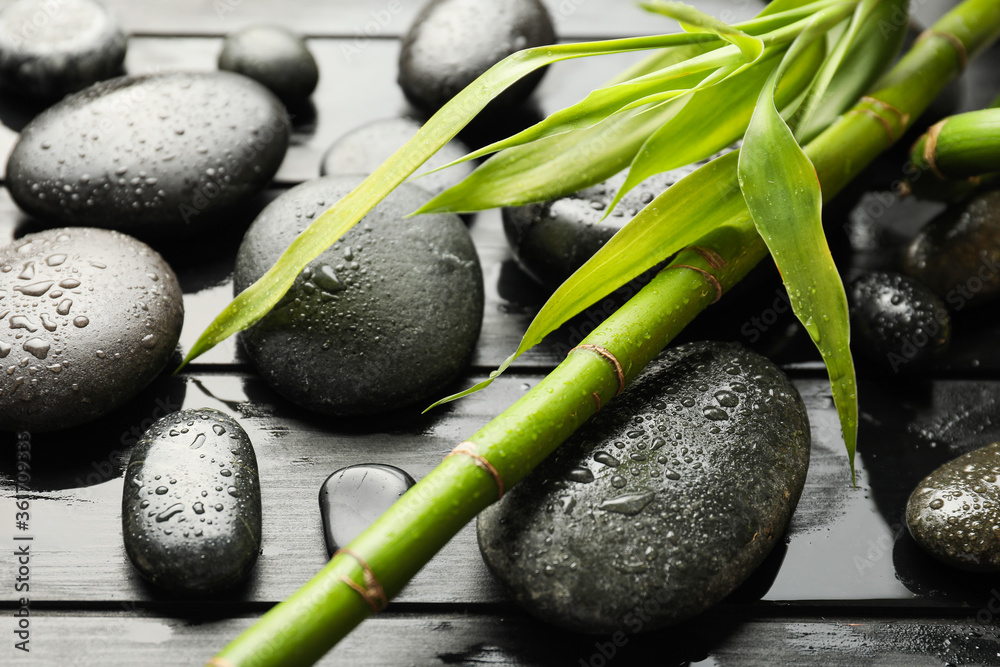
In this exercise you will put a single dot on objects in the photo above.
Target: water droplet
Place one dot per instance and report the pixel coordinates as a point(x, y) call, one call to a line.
point(198, 442)
point(618, 481)
point(149, 341)
point(36, 289)
point(22, 322)
point(327, 280)
point(64, 306)
point(37, 347)
point(198, 508)
point(670, 473)
point(4, 349)
point(55, 260)
point(219, 507)
point(716, 414)
point(28, 272)
point(170, 512)
point(47, 322)
point(607, 459)
point(657, 443)
point(233, 491)
point(581, 475)
point(936, 504)
point(101, 354)
point(55, 368)
point(160, 490)
point(219, 430)
point(69, 283)
point(225, 472)
point(629, 504)
point(99, 265)
point(727, 398)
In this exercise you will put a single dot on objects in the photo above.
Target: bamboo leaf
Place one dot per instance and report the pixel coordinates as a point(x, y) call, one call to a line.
point(254, 302)
point(694, 20)
point(782, 192)
point(703, 200)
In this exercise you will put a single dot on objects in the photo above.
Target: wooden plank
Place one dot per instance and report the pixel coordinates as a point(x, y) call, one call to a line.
point(127, 637)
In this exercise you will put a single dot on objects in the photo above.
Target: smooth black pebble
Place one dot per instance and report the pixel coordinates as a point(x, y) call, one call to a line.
point(954, 513)
point(364, 149)
point(452, 42)
point(274, 56)
point(49, 49)
point(899, 324)
point(957, 254)
point(88, 317)
point(191, 504)
point(353, 497)
point(666, 500)
point(154, 155)
point(550, 240)
point(385, 318)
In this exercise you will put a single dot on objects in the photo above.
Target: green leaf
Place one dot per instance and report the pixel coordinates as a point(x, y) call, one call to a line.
point(703, 200)
point(782, 192)
point(692, 20)
point(254, 302)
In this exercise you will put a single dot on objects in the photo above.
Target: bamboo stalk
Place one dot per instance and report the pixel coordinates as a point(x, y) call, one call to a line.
point(956, 155)
point(301, 629)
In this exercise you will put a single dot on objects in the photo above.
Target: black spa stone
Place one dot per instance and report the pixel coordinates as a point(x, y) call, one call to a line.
point(666, 500)
point(191, 514)
point(153, 155)
point(49, 49)
point(88, 317)
point(954, 513)
point(452, 42)
point(274, 56)
point(363, 150)
point(385, 318)
point(353, 497)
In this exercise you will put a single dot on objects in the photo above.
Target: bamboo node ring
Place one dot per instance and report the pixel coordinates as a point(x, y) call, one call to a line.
point(597, 401)
point(930, 148)
point(711, 279)
point(612, 359)
point(467, 448)
point(904, 118)
point(372, 591)
point(889, 129)
point(713, 258)
point(963, 54)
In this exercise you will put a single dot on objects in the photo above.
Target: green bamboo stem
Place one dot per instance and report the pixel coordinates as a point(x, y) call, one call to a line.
point(301, 629)
point(954, 154)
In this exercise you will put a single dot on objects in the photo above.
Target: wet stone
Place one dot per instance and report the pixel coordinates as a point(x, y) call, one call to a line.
point(353, 497)
point(385, 318)
point(550, 240)
point(86, 315)
point(273, 56)
point(957, 254)
point(153, 155)
point(191, 515)
point(452, 42)
point(49, 49)
point(954, 513)
point(898, 323)
point(364, 149)
point(676, 531)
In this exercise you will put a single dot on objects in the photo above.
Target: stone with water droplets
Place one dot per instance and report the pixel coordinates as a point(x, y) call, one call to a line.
point(49, 49)
point(353, 497)
point(383, 319)
point(364, 149)
point(273, 56)
point(899, 324)
point(954, 513)
point(452, 42)
point(154, 155)
point(550, 240)
point(88, 317)
point(191, 514)
point(677, 517)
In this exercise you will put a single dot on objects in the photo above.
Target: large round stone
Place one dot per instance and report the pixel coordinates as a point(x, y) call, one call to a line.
point(273, 56)
point(665, 501)
point(88, 317)
point(48, 49)
point(452, 42)
point(191, 516)
point(151, 155)
point(385, 318)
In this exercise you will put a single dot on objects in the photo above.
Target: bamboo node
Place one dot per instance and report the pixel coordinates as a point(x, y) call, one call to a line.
point(612, 359)
point(372, 591)
point(713, 258)
point(904, 118)
point(963, 54)
point(597, 401)
point(712, 279)
point(930, 148)
point(467, 448)
point(889, 130)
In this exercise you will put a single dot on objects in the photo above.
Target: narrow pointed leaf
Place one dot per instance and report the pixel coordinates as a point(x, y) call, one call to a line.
point(692, 19)
point(783, 194)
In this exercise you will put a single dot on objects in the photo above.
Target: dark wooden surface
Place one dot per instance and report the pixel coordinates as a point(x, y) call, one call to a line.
point(847, 586)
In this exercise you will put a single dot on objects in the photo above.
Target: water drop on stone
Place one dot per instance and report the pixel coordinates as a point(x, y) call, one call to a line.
point(55, 260)
point(80, 322)
point(936, 504)
point(160, 490)
point(607, 459)
point(64, 306)
point(170, 512)
point(149, 341)
point(198, 441)
point(198, 508)
point(582, 475)
point(69, 283)
point(219, 429)
point(37, 347)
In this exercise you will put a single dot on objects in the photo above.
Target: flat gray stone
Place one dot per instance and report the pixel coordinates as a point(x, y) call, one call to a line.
point(273, 56)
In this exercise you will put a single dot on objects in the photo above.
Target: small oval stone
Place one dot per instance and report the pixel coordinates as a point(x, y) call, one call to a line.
point(169, 537)
point(452, 42)
point(551, 240)
point(273, 56)
point(353, 497)
point(385, 318)
point(93, 332)
point(151, 155)
point(685, 528)
point(899, 323)
point(957, 254)
point(49, 49)
point(954, 513)
point(364, 149)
